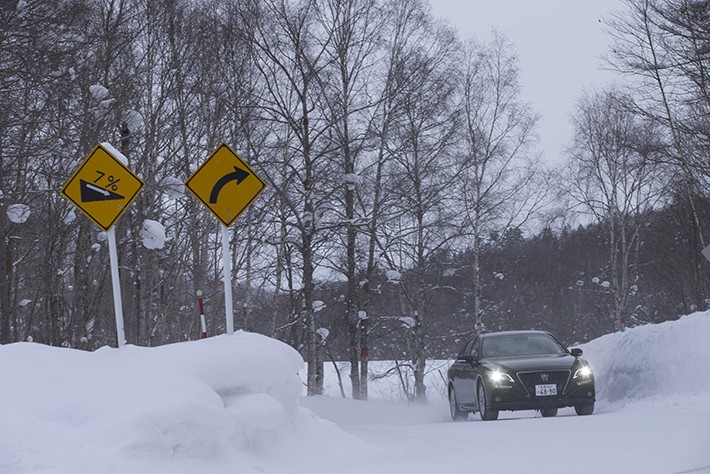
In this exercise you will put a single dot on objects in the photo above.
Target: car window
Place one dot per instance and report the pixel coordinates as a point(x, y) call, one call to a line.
point(467, 348)
point(472, 348)
point(521, 345)
point(544, 344)
point(476, 349)
point(495, 347)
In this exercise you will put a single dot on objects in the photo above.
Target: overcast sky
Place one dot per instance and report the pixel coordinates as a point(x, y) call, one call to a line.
point(559, 43)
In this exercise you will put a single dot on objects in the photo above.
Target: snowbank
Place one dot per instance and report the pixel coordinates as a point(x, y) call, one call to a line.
point(652, 361)
point(223, 398)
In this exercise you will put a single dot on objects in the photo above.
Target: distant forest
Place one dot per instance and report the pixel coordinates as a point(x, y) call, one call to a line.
point(555, 281)
point(407, 205)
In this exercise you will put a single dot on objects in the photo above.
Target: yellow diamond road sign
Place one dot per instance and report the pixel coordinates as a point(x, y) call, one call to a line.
point(102, 187)
point(225, 184)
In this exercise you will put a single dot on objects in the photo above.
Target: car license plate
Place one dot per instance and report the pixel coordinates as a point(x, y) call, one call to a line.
point(545, 390)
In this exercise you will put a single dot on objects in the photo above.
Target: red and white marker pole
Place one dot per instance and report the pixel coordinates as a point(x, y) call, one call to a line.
point(203, 322)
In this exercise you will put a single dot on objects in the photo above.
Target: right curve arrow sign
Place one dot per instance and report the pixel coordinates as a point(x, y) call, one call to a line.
point(237, 175)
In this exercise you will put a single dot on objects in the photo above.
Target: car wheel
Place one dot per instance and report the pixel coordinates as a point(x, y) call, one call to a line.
point(548, 412)
point(486, 413)
point(457, 414)
point(586, 409)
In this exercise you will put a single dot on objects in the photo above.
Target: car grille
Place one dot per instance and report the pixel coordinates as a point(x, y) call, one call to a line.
point(558, 377)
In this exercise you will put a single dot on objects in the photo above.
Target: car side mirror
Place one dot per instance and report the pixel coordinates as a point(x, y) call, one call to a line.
point(577, 352)
point(467, 358)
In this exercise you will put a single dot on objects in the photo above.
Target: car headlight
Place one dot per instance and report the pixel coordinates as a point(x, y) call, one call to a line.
point(500, 377)
point(583, 373)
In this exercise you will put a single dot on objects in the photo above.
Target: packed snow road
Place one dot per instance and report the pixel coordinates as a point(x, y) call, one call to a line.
point(661, 436)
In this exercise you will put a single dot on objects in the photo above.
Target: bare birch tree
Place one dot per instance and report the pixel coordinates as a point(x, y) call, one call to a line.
point(500, 185)
point(354, 26)
point(422, 175)
point(615, 175)
point(662, 46)
point(290, 54)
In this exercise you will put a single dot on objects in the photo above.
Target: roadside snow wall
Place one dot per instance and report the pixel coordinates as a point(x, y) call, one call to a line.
point(671, 358)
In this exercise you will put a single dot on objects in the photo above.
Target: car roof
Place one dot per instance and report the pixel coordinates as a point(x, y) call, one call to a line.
point(514, 333)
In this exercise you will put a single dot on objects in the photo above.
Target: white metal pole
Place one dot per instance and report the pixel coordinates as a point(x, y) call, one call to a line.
point(227, 265)
point(117, 305)
point(203, 321)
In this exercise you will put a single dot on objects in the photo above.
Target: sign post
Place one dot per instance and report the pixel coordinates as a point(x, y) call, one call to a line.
point(102, 188)
point(227, 258)
point(226, 185)
point(116, 284)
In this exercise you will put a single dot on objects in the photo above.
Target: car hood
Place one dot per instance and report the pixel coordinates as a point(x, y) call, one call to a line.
point(522, 364)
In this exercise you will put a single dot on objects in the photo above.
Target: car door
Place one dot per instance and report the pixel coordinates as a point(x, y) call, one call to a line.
point(458, 366)
point(468, 369)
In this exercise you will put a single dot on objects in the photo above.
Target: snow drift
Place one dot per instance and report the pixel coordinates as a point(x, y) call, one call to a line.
point(221, 398)
point(652, 361)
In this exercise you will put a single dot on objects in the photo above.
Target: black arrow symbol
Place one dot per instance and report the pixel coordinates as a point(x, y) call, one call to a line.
point(91, 193)
point(238, 175)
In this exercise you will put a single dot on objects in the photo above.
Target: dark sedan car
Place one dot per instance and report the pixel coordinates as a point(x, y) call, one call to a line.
point(519, 370)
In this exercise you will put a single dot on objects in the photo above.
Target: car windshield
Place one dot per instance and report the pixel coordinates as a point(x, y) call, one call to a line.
point(510, 345)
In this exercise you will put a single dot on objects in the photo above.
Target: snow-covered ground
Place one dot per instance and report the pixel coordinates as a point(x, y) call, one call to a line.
point(234, 404)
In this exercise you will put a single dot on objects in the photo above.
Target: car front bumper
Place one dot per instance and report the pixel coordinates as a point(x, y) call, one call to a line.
point(516, 396)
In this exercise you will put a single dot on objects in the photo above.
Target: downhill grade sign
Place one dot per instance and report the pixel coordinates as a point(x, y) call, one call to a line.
point(225, 184)
point(102, 187)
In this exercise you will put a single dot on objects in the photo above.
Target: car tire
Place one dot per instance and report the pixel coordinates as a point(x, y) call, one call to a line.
point(457, 414)
point(586, 409)
point(486, 413)
point(548, 412)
